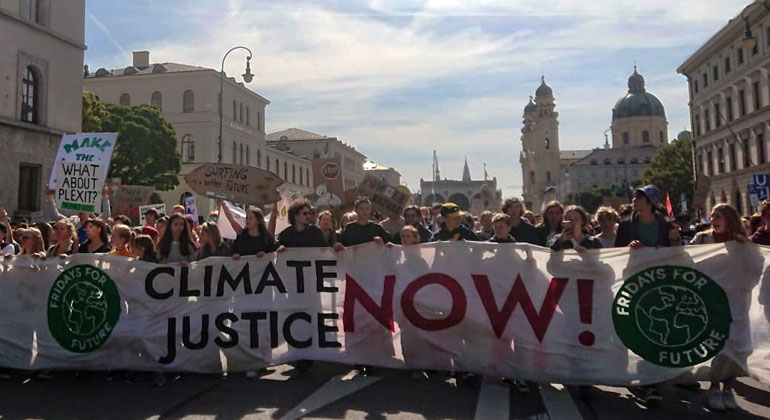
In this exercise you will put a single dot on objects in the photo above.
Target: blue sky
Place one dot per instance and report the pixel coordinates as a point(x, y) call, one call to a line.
point(398, 79)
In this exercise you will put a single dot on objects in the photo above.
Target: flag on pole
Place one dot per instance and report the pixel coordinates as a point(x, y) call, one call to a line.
point(435, 171)
point(486, 175)
point(669, 207)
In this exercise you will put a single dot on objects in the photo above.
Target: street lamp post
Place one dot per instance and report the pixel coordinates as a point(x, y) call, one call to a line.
point(247, 77)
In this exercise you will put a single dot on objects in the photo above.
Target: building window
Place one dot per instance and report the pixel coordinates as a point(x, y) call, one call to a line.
point(188, 101)
point(156, 100)
point(285, 171)
point(300, 176)
point(742, 102)
point(715, 72)
point(548, 177)
point(707, 120)
point(259, 159)
point(547, 144)
point(660, 135)
point(729, 108)
point(277, 168)
point(721, 160)
point(235, 111)
point(727, 65)
point(739, 54)
point(699, 164)
point(293, 174)
point(755, 49)
point(733, 165)
point(705, 80)
point(248, 157)
point(625, 138)
point(32, 10)
point(710, 162)
point(717, 116)
point(746, 153)
point(235, 153)
point(259, 121)
point(767, 35)
point(240, 113)
point(695, 85)
point(240, 160)
point(29, 187)
point(532, 176)
point(757, 97)
point(30, 102)
point(188, 149)
point(697, 125)
point(267, 162)
point(761, 148)
point(125, 99)
point(248, 116)
point(307, 176)
point(645, 136)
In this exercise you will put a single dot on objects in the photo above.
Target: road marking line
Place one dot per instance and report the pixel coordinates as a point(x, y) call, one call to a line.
point(336, 388)
point(558, 402)
point(494, 401)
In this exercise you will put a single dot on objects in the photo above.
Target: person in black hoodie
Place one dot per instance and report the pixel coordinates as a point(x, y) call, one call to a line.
point(302, 233)
point(363, 230)
point(453, 229)
point(647, 227)
point(501, 225)
point(412, 218)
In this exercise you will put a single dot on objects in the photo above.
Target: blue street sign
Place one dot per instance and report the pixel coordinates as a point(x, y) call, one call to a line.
point(752, 189)
point(762, 194)
point(761, 180)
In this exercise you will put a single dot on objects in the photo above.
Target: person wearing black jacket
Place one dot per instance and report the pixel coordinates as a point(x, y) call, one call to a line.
point(412, 218)
point(647, 227)
point(521, 229)
point(501, 225)
point(302, 233)
point(453, 229)
point(574, 234)
point(363, 230)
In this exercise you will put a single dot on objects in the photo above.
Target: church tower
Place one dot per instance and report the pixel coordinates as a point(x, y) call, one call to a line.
point(540, 159)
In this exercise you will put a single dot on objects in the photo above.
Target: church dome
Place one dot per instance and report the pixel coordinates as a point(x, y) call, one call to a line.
point(543, 89)
point(638, 102)
point(531, 107)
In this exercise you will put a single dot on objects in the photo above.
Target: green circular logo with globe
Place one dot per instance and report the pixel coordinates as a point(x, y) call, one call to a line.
point(672, 316)
point(83, 308)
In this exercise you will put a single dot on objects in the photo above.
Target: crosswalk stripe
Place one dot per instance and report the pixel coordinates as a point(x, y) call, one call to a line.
point(558, 402)
point(336, 388)
point(493, 402)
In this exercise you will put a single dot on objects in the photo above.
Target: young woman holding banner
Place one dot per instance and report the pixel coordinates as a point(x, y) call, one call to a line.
point(97, 241)
point(211, 241)
point(725, 226)
point(66, 239)
point(32, 243)
point(122, 237)
point(255, 238)
point(175, 245)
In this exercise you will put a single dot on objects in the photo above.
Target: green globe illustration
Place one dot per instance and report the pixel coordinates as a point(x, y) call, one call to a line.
point(671, 316)
point(85, 309)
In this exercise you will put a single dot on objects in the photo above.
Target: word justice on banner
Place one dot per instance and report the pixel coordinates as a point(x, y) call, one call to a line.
point(597, 317)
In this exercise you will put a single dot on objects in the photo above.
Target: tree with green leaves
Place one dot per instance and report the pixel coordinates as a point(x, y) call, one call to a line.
point(146, 151)
point(590, 198)
point(671, 169)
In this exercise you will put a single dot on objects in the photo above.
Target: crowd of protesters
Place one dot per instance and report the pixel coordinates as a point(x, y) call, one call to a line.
point(180, 239)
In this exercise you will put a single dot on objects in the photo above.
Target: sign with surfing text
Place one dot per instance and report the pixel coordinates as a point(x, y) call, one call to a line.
point(237, 183)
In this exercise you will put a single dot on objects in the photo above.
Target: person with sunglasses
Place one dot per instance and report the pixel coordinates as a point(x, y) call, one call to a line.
point(302, 232)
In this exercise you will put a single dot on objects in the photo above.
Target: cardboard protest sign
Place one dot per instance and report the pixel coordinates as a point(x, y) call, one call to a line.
point(126, 199)
point(160, 208)
point(237, 183)
point(385, 198)
point(327, 181)
point(77, 185)
point(191, 207)
point(93, 148)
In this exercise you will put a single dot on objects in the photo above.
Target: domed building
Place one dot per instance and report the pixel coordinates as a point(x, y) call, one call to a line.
point(638, 118)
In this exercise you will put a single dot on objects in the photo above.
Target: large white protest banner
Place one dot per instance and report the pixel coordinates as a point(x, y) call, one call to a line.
point(616, 316)
point(91, 148)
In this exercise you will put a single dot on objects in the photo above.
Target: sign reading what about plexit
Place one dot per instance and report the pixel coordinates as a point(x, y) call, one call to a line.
point(92, 148)
point(78, 185)
point(237, 183)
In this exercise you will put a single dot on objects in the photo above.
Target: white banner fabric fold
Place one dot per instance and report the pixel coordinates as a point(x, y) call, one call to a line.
point(613, 316)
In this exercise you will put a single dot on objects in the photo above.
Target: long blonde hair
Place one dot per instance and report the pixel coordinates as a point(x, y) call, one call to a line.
point(733, 224)
point(38, 245)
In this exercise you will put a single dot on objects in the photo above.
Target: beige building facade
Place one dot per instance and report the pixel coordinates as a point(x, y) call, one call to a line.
point(187, 97)
point(41, 72)
point(470, 195)
point(385, 173)
point(317, 146)
point(729, 88)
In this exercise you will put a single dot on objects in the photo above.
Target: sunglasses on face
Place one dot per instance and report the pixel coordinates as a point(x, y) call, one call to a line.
point(306, 213)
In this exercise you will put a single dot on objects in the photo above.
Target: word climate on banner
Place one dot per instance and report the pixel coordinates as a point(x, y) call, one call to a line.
point(93, 148)
point(236, 183)
point(78, 185)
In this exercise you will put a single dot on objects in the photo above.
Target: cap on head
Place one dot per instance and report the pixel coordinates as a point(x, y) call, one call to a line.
point(451, 210)
point(652, 192)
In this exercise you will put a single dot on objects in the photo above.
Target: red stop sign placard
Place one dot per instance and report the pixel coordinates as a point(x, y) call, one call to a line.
point(330, 170)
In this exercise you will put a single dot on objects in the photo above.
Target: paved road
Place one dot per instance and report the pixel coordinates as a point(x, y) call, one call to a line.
point(335, 392)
